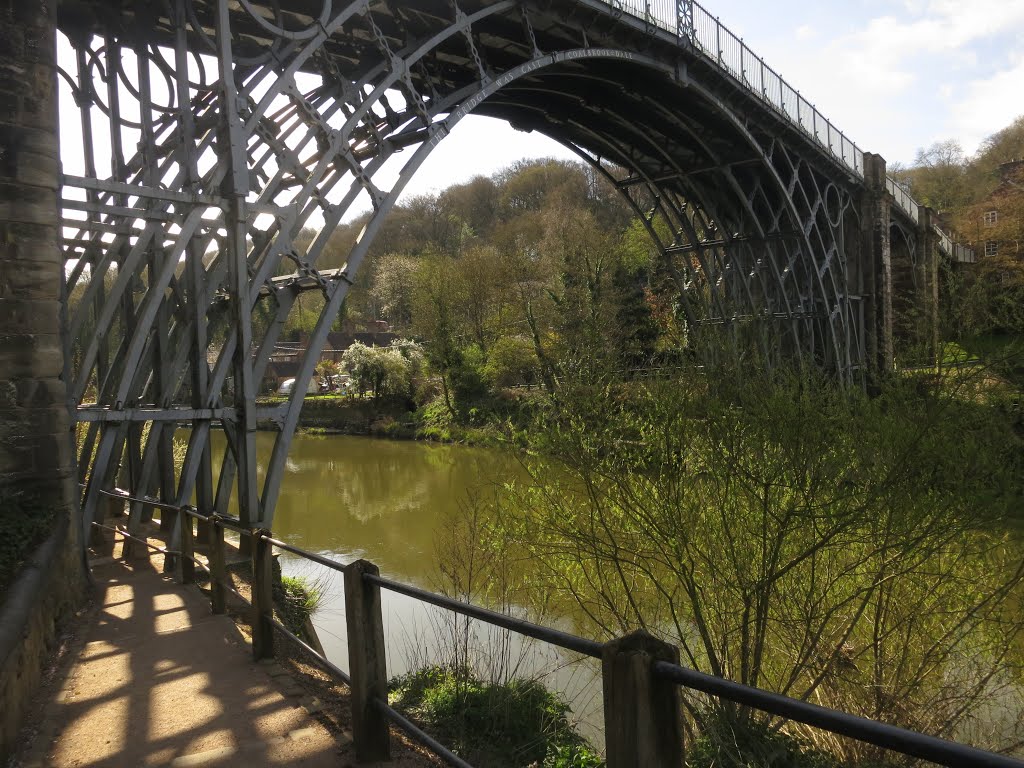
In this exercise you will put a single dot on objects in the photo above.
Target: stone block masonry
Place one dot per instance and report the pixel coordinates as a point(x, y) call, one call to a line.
point(36, 461)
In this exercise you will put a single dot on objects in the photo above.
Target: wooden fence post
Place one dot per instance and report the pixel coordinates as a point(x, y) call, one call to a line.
point(218, 573)
point(642, 719)
point(262, 596)
point(367, 663)
point(186, 565)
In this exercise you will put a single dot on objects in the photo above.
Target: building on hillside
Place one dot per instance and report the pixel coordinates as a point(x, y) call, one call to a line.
point(996, 224)
point(339, 341)
point(284, 361)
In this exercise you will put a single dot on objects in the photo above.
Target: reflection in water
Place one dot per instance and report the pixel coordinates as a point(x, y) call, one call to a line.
point(388, 502)
point(379, 499)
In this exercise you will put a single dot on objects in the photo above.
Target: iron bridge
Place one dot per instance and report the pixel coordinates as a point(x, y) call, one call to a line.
point(214, 131)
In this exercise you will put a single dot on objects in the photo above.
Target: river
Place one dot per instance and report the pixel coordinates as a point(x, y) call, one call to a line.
point(392, 502)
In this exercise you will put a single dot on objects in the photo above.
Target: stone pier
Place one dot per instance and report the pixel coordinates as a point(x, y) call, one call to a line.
point(36, 460)
point(876, 266)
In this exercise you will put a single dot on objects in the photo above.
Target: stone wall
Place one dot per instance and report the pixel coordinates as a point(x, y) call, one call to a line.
point(36, 462)
point(49, 587)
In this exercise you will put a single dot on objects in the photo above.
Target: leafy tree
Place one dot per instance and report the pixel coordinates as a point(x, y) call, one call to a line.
point(326, 371)
point(939, 177)
point(813, 542)
point(511, 361)
point(394, 280)
point(991, 297)
point(483, 307)
point(438, 295)
point(379, 370)
point(1003, 146)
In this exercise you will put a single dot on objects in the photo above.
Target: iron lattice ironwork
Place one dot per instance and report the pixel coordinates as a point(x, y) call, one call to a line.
point(215, 132)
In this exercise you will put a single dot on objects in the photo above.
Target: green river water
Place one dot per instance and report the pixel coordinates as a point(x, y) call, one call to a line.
point(391, 502)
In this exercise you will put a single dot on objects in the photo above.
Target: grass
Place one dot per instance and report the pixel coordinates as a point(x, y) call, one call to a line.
point(295, 601)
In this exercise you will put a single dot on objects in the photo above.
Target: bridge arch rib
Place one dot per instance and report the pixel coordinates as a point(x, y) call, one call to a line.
point(185, 239)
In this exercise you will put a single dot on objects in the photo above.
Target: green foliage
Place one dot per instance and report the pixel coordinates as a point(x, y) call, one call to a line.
point(508, 725)
point(25, 522)
point(788, 535)
point(991, 298)
point(547, 253)
point(572, 756)
point(746, 743)
point(304, 315)
point(352, 415)
point(383, 370)
point(511, 361)
point(467, 376)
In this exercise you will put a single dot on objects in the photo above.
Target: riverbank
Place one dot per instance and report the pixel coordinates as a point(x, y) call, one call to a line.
point(351, 415)
point(487, 423)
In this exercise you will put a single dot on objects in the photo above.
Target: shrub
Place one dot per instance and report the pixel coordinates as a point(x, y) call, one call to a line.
point(505, 725)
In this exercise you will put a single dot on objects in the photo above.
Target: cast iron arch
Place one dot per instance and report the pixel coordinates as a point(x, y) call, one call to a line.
point(180, 254)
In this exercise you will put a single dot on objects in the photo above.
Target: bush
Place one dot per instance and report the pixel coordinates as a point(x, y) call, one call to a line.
point(504, 725)
point(384, 370)
point(511, 361)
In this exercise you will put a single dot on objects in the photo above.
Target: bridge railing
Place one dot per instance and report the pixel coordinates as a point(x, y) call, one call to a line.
point(903, 199)
point(629, 688)
point(690, 21)
point(718, 44)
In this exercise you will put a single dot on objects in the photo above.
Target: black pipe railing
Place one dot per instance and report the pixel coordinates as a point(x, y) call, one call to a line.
point(368, 673)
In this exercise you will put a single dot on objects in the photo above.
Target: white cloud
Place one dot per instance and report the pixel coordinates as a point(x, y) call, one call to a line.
point(805, 32)
point(989, 104)
point(915, 72)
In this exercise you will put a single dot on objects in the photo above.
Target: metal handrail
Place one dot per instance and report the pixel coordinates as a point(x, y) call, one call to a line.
point(144, 542)
point(420, 735)
point(549, 635)
point(899, 740)
point(889, 737)
point(120, 493)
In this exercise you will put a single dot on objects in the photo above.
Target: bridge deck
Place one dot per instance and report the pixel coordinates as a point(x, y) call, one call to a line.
point(159, 681)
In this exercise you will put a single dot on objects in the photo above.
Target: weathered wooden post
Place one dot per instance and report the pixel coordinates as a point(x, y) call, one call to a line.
point(218, 573)
point(367, 663)
point(642, 722)
point(186, 569)
point(262, 596)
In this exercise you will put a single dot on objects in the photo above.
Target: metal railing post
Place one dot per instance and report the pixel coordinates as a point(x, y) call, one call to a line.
point(642, 718)
point(218, 573)
point(186, 569)
point(262, 596)
point(367, 663)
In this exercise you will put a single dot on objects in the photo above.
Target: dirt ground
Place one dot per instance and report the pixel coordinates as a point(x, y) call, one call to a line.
point(146, 675)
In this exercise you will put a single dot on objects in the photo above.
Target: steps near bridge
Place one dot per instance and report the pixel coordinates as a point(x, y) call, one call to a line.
point(155, 679)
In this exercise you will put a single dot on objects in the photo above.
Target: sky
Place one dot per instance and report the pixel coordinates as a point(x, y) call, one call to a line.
point(894, 75)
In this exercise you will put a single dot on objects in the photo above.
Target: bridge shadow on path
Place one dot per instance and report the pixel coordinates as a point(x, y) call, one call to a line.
point(160, 681)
